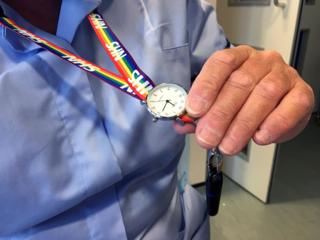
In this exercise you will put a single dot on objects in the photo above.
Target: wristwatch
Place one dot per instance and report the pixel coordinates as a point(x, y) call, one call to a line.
point(167, 101)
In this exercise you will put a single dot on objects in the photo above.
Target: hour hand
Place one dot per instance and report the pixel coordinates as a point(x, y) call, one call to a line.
point(171, 103)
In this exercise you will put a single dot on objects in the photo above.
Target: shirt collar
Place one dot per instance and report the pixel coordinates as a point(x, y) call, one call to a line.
point(71, 15)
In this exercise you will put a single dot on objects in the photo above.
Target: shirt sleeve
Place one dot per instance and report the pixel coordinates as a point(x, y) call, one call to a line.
point(205, 34)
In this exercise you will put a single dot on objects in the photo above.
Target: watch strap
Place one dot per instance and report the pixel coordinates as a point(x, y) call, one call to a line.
point(187, 119)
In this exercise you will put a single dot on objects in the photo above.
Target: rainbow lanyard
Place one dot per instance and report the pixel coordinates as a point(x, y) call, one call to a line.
point(132, 81)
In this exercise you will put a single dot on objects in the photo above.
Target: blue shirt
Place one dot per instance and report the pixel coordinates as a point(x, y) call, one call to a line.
point(80, 159)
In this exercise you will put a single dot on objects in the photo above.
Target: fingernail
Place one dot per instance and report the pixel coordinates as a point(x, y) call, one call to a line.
point(196, 105)
point(228, 146)
point(263, 136)
point(209, 136)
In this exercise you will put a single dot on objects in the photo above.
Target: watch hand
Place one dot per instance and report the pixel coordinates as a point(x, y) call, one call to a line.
point(165, 105)
point(172, 104)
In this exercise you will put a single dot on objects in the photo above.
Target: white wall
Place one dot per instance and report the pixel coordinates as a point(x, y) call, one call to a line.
point(266, 27)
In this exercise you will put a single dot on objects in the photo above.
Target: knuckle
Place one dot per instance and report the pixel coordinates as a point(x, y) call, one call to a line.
point(292, 72)
point(274, 55)
point(304, 100)
point(208, 87)
point(269, 89)
point(211, 82)
point(247, 48)
point(284, 123)
point(212, 87)
point(219, 113)
point(292, 75)
point(309, 91)
point(224, 57)
point(241, 80)
point(245, 123)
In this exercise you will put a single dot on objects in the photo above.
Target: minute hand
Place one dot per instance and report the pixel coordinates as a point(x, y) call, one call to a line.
point(165, 105)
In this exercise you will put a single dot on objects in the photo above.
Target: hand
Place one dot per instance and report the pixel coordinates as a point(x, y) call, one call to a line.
point(242, 93)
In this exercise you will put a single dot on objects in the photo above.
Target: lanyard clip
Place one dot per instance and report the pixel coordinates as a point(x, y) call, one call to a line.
point(214, 181)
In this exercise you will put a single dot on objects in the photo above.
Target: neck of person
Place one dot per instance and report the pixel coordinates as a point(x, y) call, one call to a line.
point(43, 14)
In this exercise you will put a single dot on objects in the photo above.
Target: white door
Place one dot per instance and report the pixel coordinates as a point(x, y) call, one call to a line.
point(271, 26)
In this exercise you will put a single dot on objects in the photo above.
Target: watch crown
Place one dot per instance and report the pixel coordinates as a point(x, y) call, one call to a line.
point(155, 119)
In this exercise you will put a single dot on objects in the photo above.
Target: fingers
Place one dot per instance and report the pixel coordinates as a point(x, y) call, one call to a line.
point(265, 97)
point(242, 90)
point(212, 78)
point(235, 92)
point(289, 118)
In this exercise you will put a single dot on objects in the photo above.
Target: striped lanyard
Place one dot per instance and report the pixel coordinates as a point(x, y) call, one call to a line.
point(132, 80)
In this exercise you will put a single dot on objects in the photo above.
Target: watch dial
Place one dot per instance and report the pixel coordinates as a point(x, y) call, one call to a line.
point(167, 101)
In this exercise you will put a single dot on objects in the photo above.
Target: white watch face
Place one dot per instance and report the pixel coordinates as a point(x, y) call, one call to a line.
point(167, 101)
